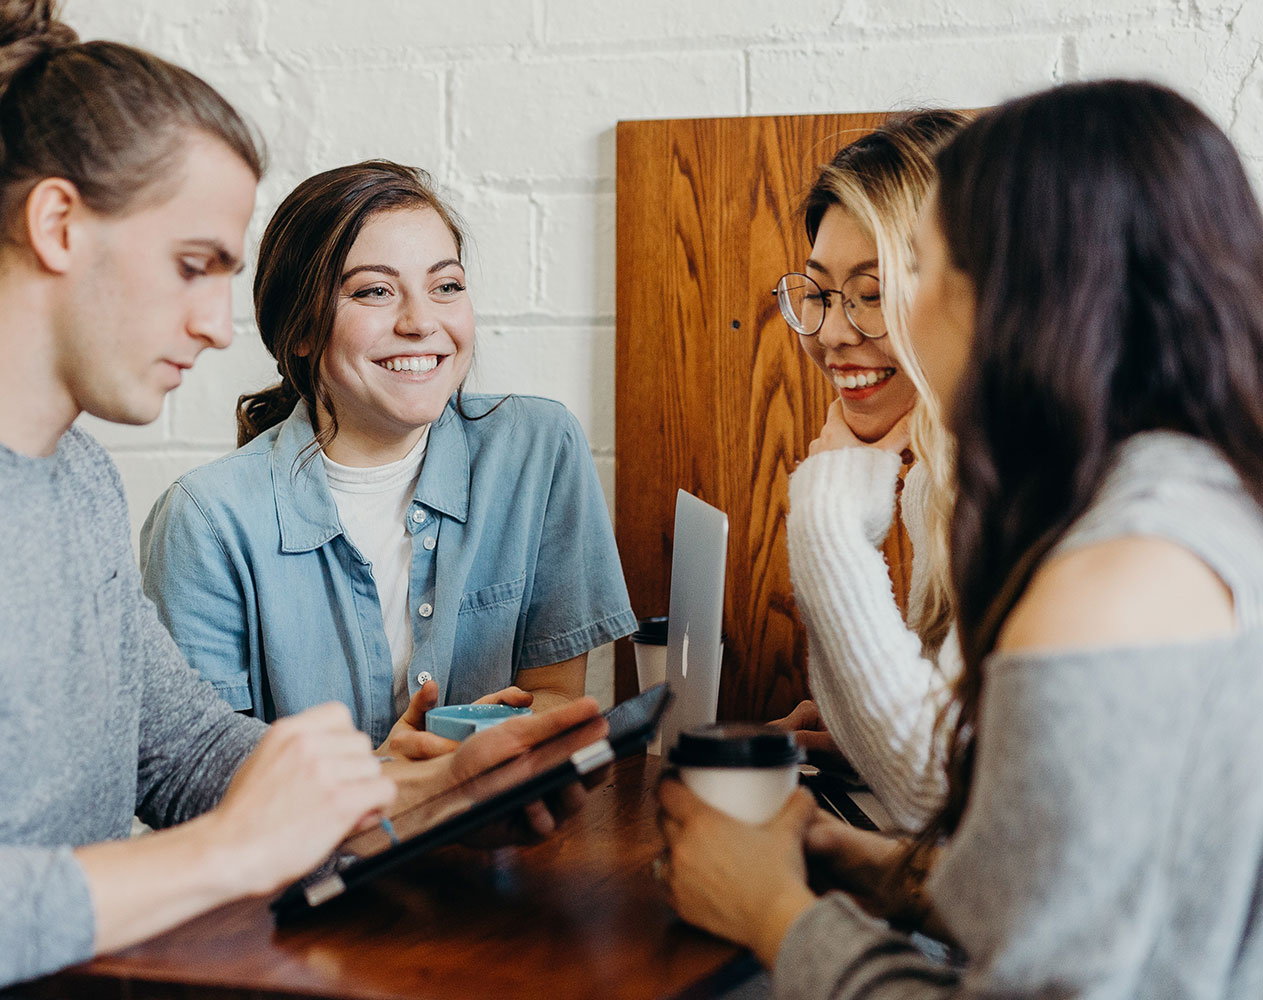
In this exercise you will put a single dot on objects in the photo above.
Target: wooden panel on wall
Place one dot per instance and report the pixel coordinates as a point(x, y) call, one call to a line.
point(712, 393)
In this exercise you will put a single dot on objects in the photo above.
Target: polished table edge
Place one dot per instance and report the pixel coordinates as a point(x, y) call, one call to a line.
point(112, 977)
point(83, 985)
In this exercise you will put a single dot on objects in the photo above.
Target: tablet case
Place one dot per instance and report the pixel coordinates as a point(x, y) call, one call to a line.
point(631, 725)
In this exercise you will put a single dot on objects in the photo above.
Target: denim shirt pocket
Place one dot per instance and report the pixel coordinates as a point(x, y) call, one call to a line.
point(494, 596)
point(487, 640)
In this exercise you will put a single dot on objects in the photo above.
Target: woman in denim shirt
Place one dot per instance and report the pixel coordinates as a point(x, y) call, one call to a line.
point(377, 525)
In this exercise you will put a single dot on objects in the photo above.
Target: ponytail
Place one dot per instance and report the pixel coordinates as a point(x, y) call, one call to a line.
point(109, 118)
point(258, 411)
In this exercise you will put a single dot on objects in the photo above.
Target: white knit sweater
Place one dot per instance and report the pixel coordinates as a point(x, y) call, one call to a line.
point(877, 694)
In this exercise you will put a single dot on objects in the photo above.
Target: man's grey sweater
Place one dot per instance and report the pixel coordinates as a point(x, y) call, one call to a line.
point(1113, 842)
point(101, 717)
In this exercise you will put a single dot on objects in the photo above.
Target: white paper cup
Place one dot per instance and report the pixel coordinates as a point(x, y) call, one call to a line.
point(745, 770)
point(650, 643)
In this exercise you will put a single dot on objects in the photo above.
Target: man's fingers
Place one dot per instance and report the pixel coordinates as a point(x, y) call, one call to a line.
point(326, 716)
point(539, 819)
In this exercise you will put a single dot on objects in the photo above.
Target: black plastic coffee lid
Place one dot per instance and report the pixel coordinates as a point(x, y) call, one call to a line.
point(735, 744)
point(651, 631)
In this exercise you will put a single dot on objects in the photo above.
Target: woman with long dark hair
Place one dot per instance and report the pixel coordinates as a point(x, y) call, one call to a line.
point(1090, 315)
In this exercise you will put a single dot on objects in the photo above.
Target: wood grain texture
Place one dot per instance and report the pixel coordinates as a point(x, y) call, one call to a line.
point(577, 916)
point(712, 393)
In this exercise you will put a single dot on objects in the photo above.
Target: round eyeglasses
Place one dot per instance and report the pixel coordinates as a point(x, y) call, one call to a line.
point(803, 303)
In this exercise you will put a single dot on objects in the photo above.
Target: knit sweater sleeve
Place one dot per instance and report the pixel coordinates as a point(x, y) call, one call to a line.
point(877, 694)
point(1083, 866)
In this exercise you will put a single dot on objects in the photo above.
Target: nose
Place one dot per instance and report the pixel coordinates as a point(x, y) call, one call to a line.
point(414, 319)
point(211, 319)
point(837, 330)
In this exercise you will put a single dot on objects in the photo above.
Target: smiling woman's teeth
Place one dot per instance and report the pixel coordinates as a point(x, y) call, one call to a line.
point(425, 364)
point(862, 380)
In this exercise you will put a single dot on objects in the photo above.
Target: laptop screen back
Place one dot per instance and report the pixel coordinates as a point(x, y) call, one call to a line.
point(696, 615)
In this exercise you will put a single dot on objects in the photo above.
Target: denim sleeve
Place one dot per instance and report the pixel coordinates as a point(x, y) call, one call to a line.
point(578, 598)
point(190, 577)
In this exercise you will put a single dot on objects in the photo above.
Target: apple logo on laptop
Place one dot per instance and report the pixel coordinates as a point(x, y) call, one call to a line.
point(684, 652)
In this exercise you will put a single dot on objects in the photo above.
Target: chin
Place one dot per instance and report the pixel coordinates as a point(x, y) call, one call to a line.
point(870, 427)
point(131, 412)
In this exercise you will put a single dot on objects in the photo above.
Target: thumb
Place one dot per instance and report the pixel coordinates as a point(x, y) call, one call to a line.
point(424, 700)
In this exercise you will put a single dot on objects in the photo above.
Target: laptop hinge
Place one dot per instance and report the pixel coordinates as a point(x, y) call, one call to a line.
point(592, 756)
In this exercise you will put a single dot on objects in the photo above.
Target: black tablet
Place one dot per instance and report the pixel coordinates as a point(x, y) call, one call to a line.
point(461, 809)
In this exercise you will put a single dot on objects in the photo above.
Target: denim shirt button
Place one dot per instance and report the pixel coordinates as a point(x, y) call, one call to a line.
point(418, 516)
point(425, 610)
point(428, 543)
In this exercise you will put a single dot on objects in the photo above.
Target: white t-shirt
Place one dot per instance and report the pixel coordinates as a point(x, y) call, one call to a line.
point(373, 507)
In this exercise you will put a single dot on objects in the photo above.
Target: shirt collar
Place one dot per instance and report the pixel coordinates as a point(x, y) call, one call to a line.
point(305, 508)
point(444, 482)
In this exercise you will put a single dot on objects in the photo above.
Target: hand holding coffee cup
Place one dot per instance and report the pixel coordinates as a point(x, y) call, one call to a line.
point(745, 770)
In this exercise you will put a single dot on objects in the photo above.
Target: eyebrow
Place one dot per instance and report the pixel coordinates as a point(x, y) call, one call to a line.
point(380, 268)
point(394, 272)
point(224, 257)
point(862, 267)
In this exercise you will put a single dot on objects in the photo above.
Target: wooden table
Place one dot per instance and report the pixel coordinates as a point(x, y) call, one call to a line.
point(577, 916)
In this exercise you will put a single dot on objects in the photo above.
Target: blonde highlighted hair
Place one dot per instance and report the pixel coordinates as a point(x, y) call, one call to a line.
point(881, 180)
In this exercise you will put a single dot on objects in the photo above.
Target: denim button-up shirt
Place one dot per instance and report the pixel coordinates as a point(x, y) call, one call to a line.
point(513, 566)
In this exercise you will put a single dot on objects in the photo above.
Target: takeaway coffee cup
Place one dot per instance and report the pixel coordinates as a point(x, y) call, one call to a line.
point(745, 770)
point(650, 642)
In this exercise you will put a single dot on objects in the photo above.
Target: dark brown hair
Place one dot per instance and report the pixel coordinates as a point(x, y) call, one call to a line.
point(1116, 251)
point(109, 118)
point(301, 258)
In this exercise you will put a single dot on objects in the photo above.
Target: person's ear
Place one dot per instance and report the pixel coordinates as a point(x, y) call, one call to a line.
point(50, 210)
point(302, 349)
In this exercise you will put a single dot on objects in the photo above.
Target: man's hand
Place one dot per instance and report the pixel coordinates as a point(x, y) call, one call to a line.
point(311, 780)
point(510, 739)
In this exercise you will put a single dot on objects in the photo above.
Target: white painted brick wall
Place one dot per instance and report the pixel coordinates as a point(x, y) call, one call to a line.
point(512, 104)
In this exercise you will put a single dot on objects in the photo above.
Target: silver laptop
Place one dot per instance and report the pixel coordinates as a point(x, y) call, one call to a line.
point(696, 615)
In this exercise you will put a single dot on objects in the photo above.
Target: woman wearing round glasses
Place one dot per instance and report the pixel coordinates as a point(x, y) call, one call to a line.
point(878, 682)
